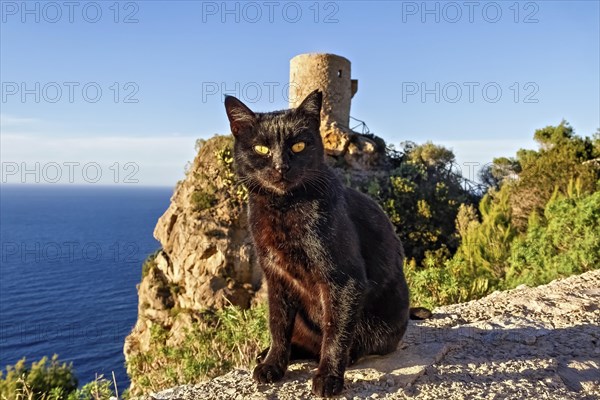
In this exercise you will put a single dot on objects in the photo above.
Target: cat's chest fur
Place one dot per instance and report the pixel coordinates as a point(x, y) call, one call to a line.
point(289, 242)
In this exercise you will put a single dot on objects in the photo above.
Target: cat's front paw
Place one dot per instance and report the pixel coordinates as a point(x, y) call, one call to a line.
point(267, 373)
point(327, 385)
point(262, 355)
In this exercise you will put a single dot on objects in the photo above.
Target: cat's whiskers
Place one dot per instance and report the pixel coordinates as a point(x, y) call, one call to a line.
point(251, 184)
point(315, 177)
point(317, 184)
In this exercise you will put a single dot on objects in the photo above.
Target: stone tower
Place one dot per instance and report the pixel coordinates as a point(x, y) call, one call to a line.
point(331, 74)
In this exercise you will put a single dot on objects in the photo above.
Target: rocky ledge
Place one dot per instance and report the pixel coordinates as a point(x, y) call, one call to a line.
point(526, 343)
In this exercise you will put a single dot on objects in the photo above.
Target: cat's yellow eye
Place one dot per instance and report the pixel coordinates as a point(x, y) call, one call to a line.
point(262, 150)
point(298, 147)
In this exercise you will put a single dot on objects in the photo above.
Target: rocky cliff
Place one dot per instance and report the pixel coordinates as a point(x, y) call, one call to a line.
point(526, 343)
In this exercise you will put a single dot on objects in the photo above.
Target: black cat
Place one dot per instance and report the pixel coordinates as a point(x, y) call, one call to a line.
point(331, 259)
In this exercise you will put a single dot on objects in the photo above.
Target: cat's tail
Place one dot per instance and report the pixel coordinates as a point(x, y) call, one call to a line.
point(420, 313)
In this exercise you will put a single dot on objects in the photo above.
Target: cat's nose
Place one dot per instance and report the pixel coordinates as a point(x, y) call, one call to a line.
point(282, 168)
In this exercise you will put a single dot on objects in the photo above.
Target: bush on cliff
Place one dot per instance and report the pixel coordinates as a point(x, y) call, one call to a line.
point(49, 379)
point(538, 222)
point(421, 191)
point(46, 378)
point(565, 242)
point(215, 343)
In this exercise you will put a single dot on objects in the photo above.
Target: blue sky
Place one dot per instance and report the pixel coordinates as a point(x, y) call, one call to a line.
point(124, 89)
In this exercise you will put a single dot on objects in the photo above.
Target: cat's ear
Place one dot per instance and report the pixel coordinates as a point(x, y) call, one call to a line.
point(311, 105)
point(241, 118)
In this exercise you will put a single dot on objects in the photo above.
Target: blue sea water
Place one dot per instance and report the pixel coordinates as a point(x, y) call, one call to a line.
point(71, 258)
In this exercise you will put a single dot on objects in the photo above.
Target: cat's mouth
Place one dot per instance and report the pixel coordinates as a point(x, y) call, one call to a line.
point(279, 184)
point(282, 183)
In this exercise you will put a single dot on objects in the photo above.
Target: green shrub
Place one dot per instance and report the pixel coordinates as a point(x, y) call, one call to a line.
point(99, 389)
point(44, 379)
point(217, 342)
point(203, 200)
point(479, 264)
point(237, 193)
point(566, 243)
point(421, 194)
point(49, 379)
point(215, 180)
point(538, 222)
point(149, 263)
point(434, 284)
point(562, 157)
point(482, 257)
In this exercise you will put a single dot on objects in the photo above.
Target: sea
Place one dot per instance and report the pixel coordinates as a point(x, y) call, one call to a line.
point(70, 262)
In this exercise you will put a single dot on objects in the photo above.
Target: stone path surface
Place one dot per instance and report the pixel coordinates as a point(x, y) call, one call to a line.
point(526, 343)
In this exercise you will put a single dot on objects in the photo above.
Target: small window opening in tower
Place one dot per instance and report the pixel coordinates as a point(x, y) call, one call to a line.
point(339, 73)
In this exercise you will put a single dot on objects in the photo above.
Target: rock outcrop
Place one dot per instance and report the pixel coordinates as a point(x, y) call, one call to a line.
point(526, 343)
point(206, 260)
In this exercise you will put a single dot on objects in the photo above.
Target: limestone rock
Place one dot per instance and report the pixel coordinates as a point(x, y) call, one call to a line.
point(206, 260)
